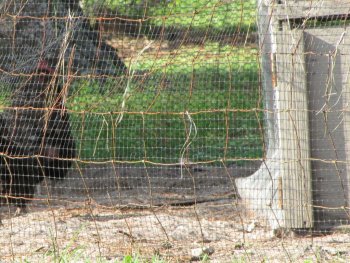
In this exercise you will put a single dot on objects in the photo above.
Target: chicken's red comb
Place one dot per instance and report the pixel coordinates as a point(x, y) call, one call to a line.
point(44, 67)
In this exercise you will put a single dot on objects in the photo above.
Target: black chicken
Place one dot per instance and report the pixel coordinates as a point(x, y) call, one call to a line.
point(56, 32)
point(36, 139)
point(44, 47)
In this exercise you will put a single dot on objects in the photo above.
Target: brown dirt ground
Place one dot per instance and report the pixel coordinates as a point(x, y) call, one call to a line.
point(101, 212)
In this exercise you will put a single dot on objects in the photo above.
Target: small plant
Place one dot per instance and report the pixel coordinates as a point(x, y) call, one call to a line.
point(138, 259)
point(205, 258)
point(70, 253)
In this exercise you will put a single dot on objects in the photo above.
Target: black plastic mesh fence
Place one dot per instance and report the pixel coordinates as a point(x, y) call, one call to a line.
point(174, 131)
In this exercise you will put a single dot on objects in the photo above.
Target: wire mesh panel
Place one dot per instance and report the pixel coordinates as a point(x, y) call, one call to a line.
point(170, 131)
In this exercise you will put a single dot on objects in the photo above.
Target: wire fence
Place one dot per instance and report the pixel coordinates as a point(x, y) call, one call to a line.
point(174, 131)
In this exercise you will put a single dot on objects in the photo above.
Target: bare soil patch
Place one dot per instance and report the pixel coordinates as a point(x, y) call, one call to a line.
point(108, 212)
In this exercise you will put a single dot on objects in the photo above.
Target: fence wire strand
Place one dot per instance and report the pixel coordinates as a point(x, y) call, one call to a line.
point(174, 131)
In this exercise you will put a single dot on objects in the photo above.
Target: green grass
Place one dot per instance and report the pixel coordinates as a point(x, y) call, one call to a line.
point(205, 14)
point(212, 15)
point(72, 254)
point(213, 88)
point(198, 101)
